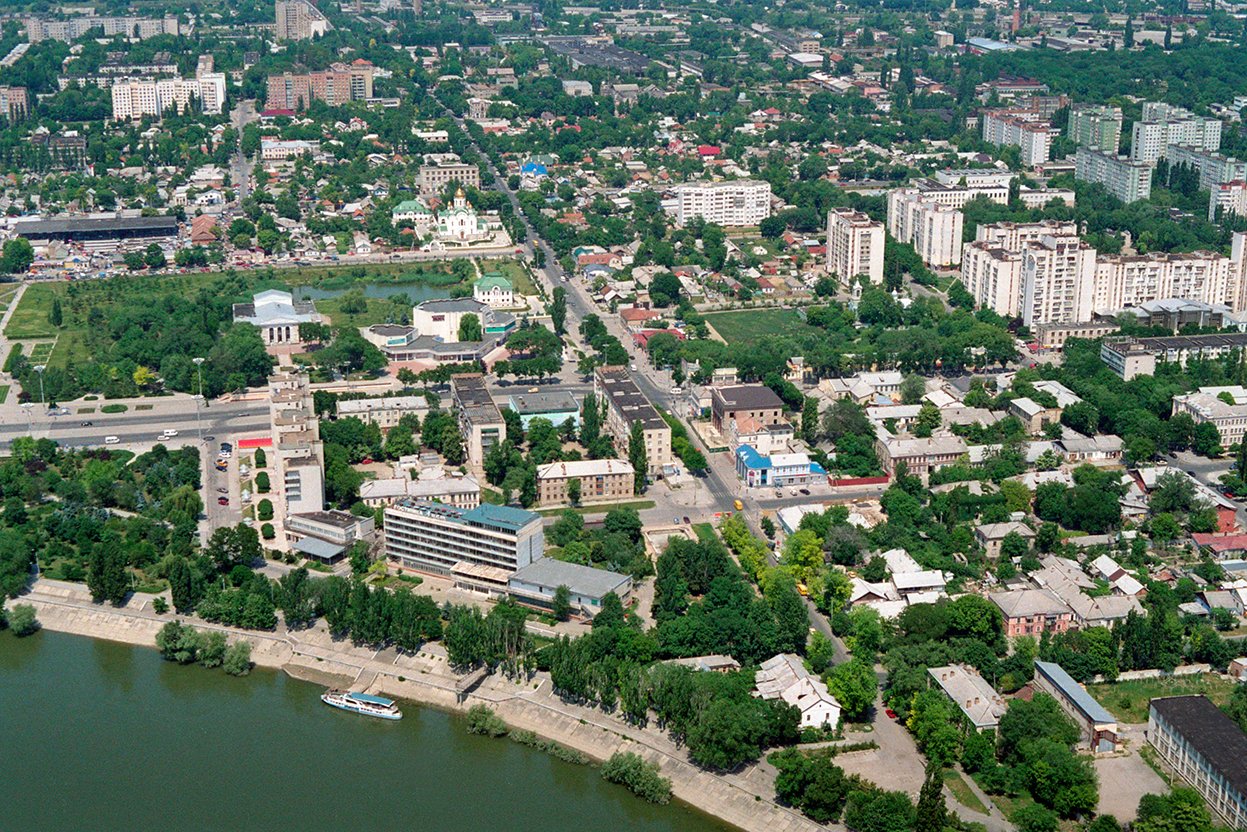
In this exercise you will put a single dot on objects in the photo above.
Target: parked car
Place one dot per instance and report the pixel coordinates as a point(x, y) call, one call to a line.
point(223, 490)
point(224, 501)
point(891, 713)
point(87, 424)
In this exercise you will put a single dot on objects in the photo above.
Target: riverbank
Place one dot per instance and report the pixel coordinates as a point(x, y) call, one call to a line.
point(741, 799)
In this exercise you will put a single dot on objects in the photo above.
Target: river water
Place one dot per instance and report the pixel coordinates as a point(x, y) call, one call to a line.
point(105, 736)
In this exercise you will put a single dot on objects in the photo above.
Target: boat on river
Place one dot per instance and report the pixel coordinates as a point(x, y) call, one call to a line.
point(362, 703)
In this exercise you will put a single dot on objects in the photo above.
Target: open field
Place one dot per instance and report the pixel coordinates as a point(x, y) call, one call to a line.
point(512, 271)
point(747, 326)
point(1128, 701)
point(30, 319)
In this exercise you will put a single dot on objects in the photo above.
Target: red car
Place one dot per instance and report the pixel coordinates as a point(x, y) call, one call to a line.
point(222, 501)
point(891, 713)
point(366, 461)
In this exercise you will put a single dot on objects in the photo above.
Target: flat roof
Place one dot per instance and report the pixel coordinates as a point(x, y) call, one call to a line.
point(1074, 692)
point(502, 516)
point(624, 395)
point(37, 228)
point(581, 580)
point(1210, 733)
point(749, 396)
point(337, 519)
point(316, 548)
point(554, 401)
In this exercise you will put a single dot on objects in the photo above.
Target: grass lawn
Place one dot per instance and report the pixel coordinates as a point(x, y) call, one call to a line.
point(704, 531)
point(71, 349)
point(512, 271)
point(4, 392)
point(1128, 701)
point(747, 326)
point(40, 352)
point(30, 318)
point(962, 792)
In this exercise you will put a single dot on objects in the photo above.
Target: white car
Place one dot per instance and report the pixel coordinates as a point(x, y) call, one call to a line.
point(169, 433)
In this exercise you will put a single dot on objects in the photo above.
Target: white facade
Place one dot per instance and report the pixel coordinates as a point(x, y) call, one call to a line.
point(1229, 419)
point(933, 229)
point(432, 537)
point(993, 275)
point(1127, 179)
point(1058, 279)
point(854, 246)
point(299, 20)
point(1163, 125)
point(740, 202)
point(1123, 281)
point(1018, 127)
point(135, 98)
point(1231, 197)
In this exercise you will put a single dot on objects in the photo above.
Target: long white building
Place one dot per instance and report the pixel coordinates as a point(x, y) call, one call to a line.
point(932, 228)
point(1163, 125)
point(442, 539)
point(1132, 280)
point(854, 246)
point(1231, 197)
point(1128, 179)
point(134, 98)
point(734, 203)
point(1214, 168)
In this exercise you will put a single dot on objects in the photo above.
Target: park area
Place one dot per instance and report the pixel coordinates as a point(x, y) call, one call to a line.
point(747, 326)
point(1128, 701)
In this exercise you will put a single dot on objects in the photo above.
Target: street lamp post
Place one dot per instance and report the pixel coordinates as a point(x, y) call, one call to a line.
point(29, 427)
point(199, 362)
point(199, 424)
point(39, 368)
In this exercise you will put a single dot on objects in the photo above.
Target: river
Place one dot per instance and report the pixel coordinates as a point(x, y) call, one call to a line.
point(106, 736)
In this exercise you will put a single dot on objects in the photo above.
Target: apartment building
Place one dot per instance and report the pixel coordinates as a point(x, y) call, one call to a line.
point(1129, 357)
point(1132, 280)
point(993, 275)
point(1128, 179)
point(299, 20)
point(745, 401)
point(600, 480)
point(1058, 281)
point(385, 412)
point(1095, 126)
point(1214, 168)
point(298, 454)
point(137, 97)
point(480, 421)
point(1204, 747)
point(1021, 128)
point(921, 456)
point(38, 28)
point(994, 267)
point(854, 246)
point(626, 404)
point(1164, 124)
point(1229, 197)
point(433, 179)
point(1016, 236)
point(1029, 612)
point(335, 86)
point(13, 104)
point(1229, 419)
point(734, 203)
point(430, 537)
point(932, 228)
point(458, 491)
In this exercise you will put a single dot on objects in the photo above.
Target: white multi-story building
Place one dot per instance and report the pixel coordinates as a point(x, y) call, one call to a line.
point(733, 203)
point(1022, 128)
point(443, 540)
point(976, 178)
point(994, 276)
point(1058, 281)
point(1095, 126)
point(854, 246)
point(1132, 280)
point(299, 456)
point(1163, 125)
point(933, 229)
point(299, 20)
point(1203, 746)
point(1231, 197)
point(135, 98)
point(38, 29)
point(626, 405)
point(1127, 179)
point(1214, 168)
point(1229, 419)
point(1014, 236)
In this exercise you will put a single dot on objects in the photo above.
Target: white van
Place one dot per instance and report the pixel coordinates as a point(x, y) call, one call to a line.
point(111, 440)
point(170, 433)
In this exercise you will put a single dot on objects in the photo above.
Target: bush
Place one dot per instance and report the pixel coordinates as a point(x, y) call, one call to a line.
point(114, 408)
point(641, 777)
point(264, 510)
point(160, 605)
point(237, 660)
point(22, 620)
point(212, 648)
point(261, 461)
point(262, 483)
point(267, 531)
point(178, 643)
point(482, 720)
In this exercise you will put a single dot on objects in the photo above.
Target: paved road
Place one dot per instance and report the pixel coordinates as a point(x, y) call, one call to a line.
point(135, 427)
point(240, 166)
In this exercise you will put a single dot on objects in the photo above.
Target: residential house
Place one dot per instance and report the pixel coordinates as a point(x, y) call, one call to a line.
point(1032, 612)
point(785, 677)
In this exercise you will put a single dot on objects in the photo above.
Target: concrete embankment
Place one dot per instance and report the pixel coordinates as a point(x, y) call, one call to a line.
point(742, 799)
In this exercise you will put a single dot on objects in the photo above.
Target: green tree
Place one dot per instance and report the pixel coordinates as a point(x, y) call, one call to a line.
point(469, 328)
point(854, 685)
point(154, 257)
point(638, 457)
point(562, 604)
point(178, 643)
point(17, 256)
point(56, 316)
point(573, 491)
point(22, 620)
point(237, 660)
point(558, 310)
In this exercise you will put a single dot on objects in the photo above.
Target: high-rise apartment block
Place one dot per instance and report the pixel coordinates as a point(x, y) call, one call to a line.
point(299, 20)
point(1023, 128)
point(13, 103)
point(1043, 274)
point(1127, 179)
point(298, 453)
point(335, 86)
point(1230, 197)
point(134, 98)
point(854, 246)
point(38, 28)
point(932, 228)
point(735, 203)
point(1163, 125)
point(1214, 168)
point(1095, 126)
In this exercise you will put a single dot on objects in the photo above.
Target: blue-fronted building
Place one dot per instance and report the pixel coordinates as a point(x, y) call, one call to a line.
point(777, 470)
